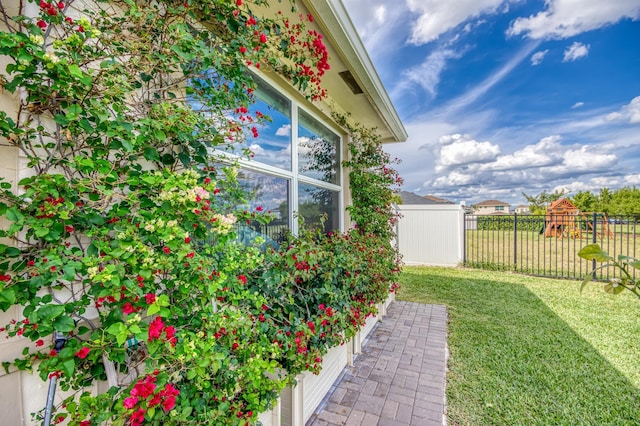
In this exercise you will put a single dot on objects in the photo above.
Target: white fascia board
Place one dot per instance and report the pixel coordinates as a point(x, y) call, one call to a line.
point(344, 37)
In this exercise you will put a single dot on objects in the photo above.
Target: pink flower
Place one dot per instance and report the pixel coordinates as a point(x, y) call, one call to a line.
point(130, 402)
point(150, 298)
point(82, 353)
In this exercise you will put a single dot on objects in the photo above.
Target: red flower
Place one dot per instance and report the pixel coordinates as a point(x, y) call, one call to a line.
point(128, 308)
point(80, 29)
point(39, 342)
point(4, 277)
point(60, 5)
point(137, 418)
point(259, 208)
point(243, 50)
point(239, 2)
point(84, 423)
point(69, 228)
point(155, 328)
point(166, 250)
point(187, 240)
point(263, 38)
point(130, 402)
point(82, 353)
point(150, 298)
point(169, 403)
point(242, 279)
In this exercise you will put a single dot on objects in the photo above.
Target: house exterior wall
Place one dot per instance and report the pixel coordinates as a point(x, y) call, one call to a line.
point(485, 210)
point(431, 234)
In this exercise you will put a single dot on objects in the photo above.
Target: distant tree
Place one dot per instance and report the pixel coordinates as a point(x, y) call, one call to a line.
point(625, 201)
point(604, 201)
point(586, 201)
point(538, 203)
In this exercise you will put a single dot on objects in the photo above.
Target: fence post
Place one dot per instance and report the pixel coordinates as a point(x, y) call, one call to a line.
point(594, 240)
point(464, 238)
point(515, 241)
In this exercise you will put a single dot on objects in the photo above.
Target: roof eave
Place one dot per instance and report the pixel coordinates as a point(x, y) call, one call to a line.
point(345, 39)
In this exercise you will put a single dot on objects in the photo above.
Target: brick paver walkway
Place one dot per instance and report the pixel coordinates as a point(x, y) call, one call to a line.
point(399, 378)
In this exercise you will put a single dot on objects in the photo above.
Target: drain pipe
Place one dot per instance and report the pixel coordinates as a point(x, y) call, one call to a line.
point(59, 341)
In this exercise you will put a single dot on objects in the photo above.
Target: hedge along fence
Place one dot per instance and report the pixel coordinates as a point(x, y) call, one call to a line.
point(103, 234)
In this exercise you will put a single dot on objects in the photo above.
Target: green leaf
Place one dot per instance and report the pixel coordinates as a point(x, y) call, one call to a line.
point(593, 251)
point(69, 273)
point(75, 71)
point(49, 312)
point(612, 288)
point(68, 366)
point(14, 215)
point(586, 281)
point(7, 298)
point(64, 324)
point(41, 232)
point(153, 309)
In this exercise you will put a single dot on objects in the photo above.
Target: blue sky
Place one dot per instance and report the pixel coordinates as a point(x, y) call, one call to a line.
point(501, 97)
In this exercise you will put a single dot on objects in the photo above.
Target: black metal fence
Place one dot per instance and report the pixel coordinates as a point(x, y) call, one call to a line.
point(548, 245)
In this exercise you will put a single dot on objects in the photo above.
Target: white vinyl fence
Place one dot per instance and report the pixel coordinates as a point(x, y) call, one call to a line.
point(431, 234)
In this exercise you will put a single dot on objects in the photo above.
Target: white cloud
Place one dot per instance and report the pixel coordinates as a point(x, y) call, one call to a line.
point(427, 74)
point(629, 113)
point(584, 159)
point(633, 179)
point(545, 153)
point(538, 57)
point(575, 51)
point(458, 150)
point(284, 130)
point(632, 110)
point(439, 16)
point(577, 105)
point(567, 18)
point(454, 179)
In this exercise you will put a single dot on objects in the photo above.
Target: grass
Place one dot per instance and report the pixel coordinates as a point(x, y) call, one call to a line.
point(534, 351)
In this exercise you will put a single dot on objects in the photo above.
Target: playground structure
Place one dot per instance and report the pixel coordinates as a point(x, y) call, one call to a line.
point(565, 220)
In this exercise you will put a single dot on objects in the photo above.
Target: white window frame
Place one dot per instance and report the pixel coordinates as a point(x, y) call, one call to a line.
point(294, 176)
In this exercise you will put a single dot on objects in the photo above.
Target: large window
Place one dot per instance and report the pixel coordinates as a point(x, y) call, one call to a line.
point(299, 182)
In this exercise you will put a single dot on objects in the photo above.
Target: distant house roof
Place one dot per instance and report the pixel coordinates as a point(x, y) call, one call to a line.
point(411, 198)
point(489, 203)
point(438, 199)
point(522, 206)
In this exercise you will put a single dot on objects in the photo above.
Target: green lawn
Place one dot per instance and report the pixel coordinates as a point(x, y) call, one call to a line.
point(534, 351)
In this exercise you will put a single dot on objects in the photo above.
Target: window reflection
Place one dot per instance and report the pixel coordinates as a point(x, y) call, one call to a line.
point(317, 149)
point(270, 141)
point(315, 204)
point(269, 194)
